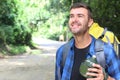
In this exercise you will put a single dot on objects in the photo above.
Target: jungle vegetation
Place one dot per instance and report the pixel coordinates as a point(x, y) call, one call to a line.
point(20, 20)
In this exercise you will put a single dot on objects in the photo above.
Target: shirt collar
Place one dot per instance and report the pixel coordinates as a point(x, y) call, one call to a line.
point(91, 50)
point(92, 47)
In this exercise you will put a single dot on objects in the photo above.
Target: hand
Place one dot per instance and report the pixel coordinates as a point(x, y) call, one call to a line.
point(96, 71)
point(110, 78)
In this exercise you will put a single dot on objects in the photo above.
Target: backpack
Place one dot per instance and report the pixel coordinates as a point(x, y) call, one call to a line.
point(100, 57)
point(105, 35)
point(115, 43)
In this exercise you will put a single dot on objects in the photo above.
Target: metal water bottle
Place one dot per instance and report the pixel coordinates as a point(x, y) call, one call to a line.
point(87, 64)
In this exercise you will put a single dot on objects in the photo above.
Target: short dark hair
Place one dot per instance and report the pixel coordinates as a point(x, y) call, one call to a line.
point(83, 5)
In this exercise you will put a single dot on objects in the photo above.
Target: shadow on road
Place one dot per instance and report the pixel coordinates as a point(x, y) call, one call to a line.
point(32, 66)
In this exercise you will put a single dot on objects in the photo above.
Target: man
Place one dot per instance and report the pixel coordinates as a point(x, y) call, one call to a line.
point(82, 47)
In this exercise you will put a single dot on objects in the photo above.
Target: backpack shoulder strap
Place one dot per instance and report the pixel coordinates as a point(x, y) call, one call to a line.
point(99, 49)
point(116, 46)
point(65, 52)
point(103, 33)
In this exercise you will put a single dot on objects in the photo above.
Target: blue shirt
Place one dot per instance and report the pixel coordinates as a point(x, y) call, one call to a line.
point(113, 66)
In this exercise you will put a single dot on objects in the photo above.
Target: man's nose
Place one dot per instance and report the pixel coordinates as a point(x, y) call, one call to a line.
point(75, 19)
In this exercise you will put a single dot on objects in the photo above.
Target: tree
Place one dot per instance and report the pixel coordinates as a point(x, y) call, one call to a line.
point(107, 14)
point(8, 12)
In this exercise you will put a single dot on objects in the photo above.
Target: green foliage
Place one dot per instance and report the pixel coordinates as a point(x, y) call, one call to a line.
point(21, 37)
point(107, 13)
point(14, 50)
point(59, 5)
point(12, 30)
point(54, 36)
point(15, 36)
point(8, 12)
point(19, 19)
point(6, 33)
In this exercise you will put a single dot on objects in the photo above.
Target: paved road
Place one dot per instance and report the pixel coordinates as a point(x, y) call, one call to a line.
point(31, 66)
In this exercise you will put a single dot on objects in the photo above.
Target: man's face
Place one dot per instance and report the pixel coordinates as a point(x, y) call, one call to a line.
point(79, 21)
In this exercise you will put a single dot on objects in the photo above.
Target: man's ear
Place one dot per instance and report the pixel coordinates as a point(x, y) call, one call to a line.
point(90, 22)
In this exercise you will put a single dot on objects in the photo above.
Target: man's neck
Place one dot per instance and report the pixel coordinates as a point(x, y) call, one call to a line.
point(82, 41)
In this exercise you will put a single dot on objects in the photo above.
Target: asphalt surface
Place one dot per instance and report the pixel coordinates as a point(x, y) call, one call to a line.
point(31, 66)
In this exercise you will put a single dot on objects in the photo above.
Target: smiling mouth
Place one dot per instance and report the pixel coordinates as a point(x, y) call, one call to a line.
point(75, 25)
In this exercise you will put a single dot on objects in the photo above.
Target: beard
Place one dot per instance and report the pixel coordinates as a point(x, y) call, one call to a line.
point(79, 29)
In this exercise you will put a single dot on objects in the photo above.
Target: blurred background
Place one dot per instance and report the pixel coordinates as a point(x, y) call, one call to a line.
point(22, 20)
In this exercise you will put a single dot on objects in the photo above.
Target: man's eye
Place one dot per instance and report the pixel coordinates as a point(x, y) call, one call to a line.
point(80, 15)
point(71, 16)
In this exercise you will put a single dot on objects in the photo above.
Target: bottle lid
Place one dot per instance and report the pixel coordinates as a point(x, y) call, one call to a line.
point(94, 56)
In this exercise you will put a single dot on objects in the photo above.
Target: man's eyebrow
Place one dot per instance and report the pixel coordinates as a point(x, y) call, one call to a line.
point(71, 14)
point(80, 14)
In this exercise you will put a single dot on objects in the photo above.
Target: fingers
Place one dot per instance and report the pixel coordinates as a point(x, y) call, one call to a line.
point(96, 72)
point(92, 74)
point(96, 68)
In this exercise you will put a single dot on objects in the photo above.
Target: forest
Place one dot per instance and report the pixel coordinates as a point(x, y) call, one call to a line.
point(20, 20)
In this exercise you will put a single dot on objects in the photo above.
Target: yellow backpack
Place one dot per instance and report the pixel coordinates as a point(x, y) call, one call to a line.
point(107, 36)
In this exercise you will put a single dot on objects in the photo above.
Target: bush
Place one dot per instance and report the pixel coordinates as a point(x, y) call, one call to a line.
point(54, 36)
point(14, 50)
